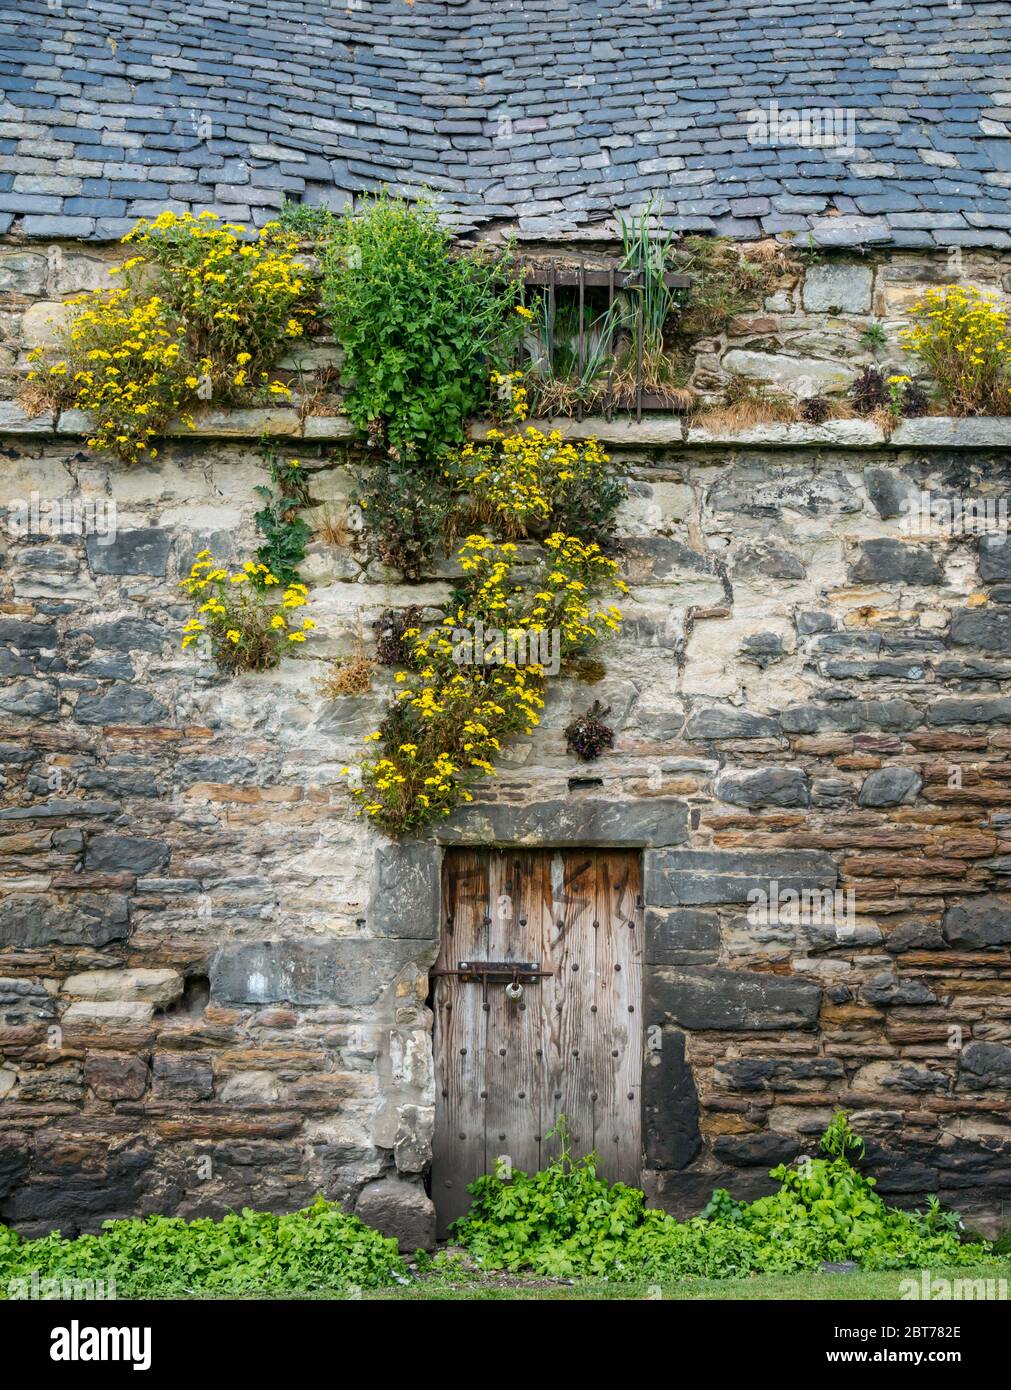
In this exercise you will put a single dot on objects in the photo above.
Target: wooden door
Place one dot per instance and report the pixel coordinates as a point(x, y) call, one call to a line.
point(506, 1069)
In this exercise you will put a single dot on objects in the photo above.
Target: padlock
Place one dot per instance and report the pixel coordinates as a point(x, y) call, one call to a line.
point(514, 991)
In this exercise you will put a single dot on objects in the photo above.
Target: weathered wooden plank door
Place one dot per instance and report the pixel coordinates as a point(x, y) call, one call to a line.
point(572, 1045)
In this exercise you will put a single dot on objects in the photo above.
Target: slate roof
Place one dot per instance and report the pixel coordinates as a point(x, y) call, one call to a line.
point(547, 114)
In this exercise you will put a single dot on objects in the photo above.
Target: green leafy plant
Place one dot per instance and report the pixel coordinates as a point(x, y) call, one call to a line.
point(873, 337)
point(651, 304)
point(286, 533)
point(727, 280)
point(243, 1253)
point(563, 374)
point(306, 222)
point(422, 325)
point(405, 505)
point(565, 1220)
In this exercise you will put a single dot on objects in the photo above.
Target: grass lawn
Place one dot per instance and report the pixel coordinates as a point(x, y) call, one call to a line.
point(816, 1287)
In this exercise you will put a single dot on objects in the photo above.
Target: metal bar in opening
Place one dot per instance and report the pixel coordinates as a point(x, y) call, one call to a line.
point(638, 358)
point(609, 398)
point(598, 279)
point(582, 302)
point(551, 322)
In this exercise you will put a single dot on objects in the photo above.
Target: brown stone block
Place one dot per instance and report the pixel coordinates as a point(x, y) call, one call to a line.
point(912, 888)
point(997, 962)
point(987, 794)
point(939, 743)
point(882, 838)
point(723, 1124)
point(141, 732)
point(203, 1124)
point(824, 746)
point(276, 1018)
point(938, 773)
point(963, 846)
point(118, 882)
point(220, 792)
point(838, 1015)
point(268, 814)
point(116, 1075)
point(858, 762)
point(330, 1087)
point(21, 1035)
point(225, 1018)
point(108, 1036)
point(261, 1058)
point(899, 865)
point(903, 1033)
point(977, 989)
point(26, 842)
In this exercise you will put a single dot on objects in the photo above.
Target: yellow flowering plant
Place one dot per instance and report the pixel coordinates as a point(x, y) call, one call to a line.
point(963, 339)
point(200, 314)
point(128, 362)
point(241, 298)
point(528, 483)
point(464, 697)
point(239, 614)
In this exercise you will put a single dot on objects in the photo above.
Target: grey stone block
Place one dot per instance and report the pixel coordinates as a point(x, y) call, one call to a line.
point(30, 920)
point(841, 287)
point(588, 822)
point(984, 1066)
point(886, 561)
point(119, 704)
point(401, 1210)
point(681, 935)
point(887, 989)
point(727, 721)
point(29, 698)
point(131, 854)
point(981, 711)
point(978, 922)
point(772, 786)
point(786, 1074)
point(888, 786)
point(347, 971)
point(670, 1104)
point(706, 997)
point(688, 877)
point(405, 892)
point(144, 551)
point(994, 558)
point(986, 628)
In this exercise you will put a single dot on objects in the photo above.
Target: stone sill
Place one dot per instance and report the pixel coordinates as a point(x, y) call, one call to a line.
point(929, 431)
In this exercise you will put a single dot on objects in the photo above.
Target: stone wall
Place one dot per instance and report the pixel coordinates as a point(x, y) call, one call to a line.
point(805, 338)
point(213, 978)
